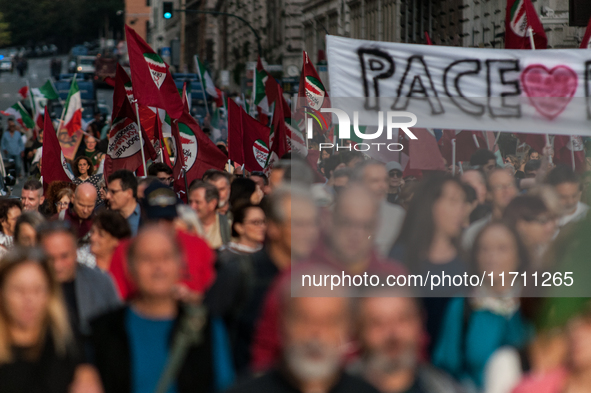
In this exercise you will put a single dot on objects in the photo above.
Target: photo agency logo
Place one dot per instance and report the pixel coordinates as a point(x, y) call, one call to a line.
point(390, 118)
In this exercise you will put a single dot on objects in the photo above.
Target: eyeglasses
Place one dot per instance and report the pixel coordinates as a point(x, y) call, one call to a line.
point(165, 179)
point(61, 204)
point(256, 223)
point(395, 174)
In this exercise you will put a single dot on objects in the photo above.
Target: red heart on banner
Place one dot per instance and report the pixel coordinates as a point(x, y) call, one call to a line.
point(549, 91)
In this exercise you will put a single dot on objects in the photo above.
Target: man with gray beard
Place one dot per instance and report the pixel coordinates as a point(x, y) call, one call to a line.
point(314, 332)
point(391, 336)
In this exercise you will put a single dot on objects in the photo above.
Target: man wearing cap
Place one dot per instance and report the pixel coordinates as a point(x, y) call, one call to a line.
point(160, 208)
point(395, 181)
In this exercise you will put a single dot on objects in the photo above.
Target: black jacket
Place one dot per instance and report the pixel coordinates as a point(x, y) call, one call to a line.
point(113, 359)
point(50, 373)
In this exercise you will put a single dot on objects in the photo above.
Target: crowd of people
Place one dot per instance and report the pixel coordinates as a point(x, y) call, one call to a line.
point(116, 285)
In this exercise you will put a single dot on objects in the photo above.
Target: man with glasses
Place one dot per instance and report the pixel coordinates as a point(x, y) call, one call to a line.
point(122, 197)
point(162, 171)
point(395, 181)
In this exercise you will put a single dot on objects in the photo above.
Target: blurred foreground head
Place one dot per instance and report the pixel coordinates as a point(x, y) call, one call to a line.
point(314, 331)
point(292, 220)
point(390, 332)
point(154, 260)
point(353, 224)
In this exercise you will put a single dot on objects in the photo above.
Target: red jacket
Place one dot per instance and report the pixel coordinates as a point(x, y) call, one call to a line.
point(198, 259)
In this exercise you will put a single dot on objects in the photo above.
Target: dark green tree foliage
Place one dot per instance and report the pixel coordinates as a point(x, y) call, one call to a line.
point(61, 22)
point(4, 31)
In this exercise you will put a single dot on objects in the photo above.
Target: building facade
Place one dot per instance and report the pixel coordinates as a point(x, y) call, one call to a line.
point(137, 16)
point(286, 27)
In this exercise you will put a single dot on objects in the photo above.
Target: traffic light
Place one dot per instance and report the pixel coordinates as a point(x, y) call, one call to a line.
point(167, 9)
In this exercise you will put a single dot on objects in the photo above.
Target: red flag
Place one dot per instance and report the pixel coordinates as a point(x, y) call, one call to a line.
point(254, 137)
point(428, 39)
point(24, 91)
point(467, 142)
point(235, 144)
point(312, 95)
point(586, 43)
point(424, 153)
point(563, 151)
point(109, 80)
point(282, 127)
point(153, 83)
point(535, 141)
point(122, 89)
point(196, 153)
point(124, 150)
point(521, 15)
point(53, 164)
point(311, 87)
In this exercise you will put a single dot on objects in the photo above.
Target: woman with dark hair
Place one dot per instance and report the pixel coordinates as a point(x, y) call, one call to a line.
point(37, 352)
point(10, 210)
point(429, 240)
point(248, 229)
point(25, 230)
point(52, 196)
point(108, 229)
point(476, 328)
point(243, 191)
point(535, 223)
point(84, 171)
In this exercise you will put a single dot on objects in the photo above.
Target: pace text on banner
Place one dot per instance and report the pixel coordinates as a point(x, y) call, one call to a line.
point(545, 91)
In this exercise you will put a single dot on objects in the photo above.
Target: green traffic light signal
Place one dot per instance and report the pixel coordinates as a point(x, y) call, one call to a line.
point(167, 9)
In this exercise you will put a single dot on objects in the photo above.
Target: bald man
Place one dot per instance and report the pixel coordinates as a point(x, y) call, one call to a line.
point(80, 211)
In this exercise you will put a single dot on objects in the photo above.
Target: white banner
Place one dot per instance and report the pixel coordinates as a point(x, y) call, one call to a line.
point(541, 91)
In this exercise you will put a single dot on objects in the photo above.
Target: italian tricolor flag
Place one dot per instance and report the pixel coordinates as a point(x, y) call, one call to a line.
point(46, 91)
point(20, 115)
point(73, 117)
point(43, 94)
point(206, 79)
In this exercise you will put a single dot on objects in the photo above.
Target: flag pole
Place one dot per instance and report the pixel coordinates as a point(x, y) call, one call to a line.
point(530, 32)
point(31, 99)
point(572, 151)
point(186, 183)
point(532, 43)
point(453, 157)
point(548, 145)
point(139, 129)
point(202, 84)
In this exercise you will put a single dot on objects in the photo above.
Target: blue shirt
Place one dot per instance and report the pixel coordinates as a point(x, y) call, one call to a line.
point(148, 343)
point(134, 220)
point(464, 354)
point(13, 144)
